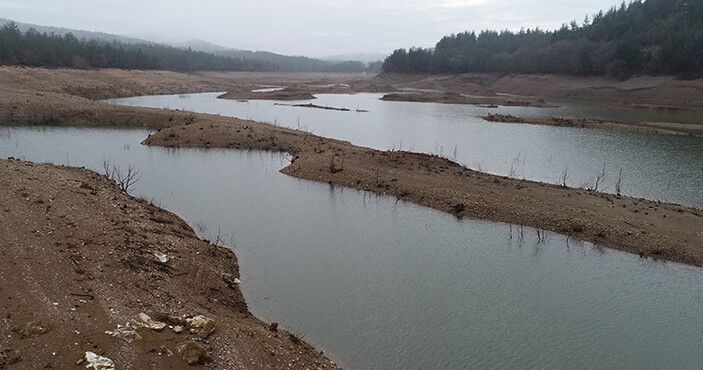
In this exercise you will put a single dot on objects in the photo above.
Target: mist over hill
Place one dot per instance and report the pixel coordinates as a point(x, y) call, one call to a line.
point(145, 54)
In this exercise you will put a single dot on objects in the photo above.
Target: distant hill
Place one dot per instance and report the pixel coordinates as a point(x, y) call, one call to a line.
point(259, 60)
point(80, 34)
point(654, 37)
point(362, 57)
point(54, 47)
point(286, 63)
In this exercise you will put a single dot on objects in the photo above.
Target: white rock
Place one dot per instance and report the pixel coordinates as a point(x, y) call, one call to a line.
point(163, 258)
point(98, 362)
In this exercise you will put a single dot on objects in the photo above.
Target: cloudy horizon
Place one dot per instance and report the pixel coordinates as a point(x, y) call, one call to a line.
point(306, 27)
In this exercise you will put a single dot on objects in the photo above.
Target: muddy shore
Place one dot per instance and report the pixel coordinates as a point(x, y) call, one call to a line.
point(456, 98)
point(646, 228)
point(83, 265)
point(640, 93)
point(646, 127)
point(288, 93)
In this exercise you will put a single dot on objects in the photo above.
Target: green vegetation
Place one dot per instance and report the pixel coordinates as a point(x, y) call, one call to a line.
point(32, 48)
point(288, 63)
point(654, 37)
point(204, 55)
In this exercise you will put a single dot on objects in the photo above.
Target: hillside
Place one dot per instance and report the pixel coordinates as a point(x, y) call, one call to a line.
point(219, 57)
point(79, 34)
point(285, 63)
point(654, 37)
point(36, 49)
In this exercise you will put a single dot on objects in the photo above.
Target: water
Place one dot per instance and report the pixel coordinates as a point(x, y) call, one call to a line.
point(658, 167)
point(381, 284)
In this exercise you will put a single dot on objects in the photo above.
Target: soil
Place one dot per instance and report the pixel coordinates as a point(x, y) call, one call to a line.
point(456, 98)
point(644, 92)
point(324, 107)
point(80, 258)
point(647, 228)
point(647, 127)
point(288, 93)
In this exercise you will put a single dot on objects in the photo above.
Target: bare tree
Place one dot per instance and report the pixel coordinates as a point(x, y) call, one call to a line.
point(564, 175)
point(599, 179)
point(124, 179)
point(618, 183)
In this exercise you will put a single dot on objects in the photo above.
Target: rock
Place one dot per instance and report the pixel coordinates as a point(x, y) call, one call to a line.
point(126, 333)
point(177, 329)
point(98, 362)
point(175, 320)
point(161, 257)
point(201, 325)
point(231, 281)
point(151, 324)
point(458, 208)
point(194, 353)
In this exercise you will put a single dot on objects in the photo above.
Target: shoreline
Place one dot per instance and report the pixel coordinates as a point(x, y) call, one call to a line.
point(647, 228)
point(661, 128)
point(486, 101)
point(89, 268)
point(639, 226)
point(423, 179)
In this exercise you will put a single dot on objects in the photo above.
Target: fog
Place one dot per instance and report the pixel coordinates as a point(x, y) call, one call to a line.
point(300, 27)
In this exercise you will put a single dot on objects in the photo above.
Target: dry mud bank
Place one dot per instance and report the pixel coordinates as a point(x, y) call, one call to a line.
point(456, 98)
point(640, 226)
point(87, 268)
point(648, 228)
point(646, 127)
point(646, 92)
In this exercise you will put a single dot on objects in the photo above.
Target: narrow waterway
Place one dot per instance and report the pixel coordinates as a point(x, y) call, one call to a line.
point(381, 284)
point(657, 167)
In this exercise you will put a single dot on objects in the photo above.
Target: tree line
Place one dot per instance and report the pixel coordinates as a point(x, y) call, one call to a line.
point(32, 48)
point(654, 37)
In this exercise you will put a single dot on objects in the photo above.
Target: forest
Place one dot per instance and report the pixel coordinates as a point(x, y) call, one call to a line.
point(652, 37)
point(35, 49)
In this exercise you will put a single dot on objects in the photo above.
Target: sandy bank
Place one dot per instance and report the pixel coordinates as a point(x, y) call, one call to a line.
point(456, 98)
point(288, 93)
point(641, 93)
point(647, 127)
point(643, 227)
point(639, 226)
point(81, 258)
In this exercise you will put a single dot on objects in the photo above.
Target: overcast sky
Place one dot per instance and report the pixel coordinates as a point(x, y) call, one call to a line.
point(301, 27)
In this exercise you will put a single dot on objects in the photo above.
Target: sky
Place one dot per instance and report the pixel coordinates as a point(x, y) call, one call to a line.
point(301, 27)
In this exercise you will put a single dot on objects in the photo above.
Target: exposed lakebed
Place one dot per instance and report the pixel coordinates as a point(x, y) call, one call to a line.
point(384, 284)
point(657, 167)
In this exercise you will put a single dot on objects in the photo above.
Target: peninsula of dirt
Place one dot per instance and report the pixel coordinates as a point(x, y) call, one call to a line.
point(288, 93)
point(86, 268)
point(648, 127)
point(648, 228)
point(456, 98)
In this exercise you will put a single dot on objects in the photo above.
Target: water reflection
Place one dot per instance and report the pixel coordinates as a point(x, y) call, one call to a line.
point(658, 167)
point(383, 284)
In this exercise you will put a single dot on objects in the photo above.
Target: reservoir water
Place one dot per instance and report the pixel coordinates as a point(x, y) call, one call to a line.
point(380, 284)
point(657, 167)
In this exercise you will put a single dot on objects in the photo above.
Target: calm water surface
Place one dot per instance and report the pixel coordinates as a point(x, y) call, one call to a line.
point(658, 167)
point(381, 284)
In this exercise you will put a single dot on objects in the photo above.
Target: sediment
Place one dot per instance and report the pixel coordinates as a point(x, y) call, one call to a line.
point(644, 227)
point(88, 268)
